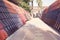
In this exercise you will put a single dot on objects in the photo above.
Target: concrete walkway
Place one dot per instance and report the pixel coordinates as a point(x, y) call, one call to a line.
point(35, 29)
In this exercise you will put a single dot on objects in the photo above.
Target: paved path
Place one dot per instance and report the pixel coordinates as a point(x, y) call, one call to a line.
point(35, 29)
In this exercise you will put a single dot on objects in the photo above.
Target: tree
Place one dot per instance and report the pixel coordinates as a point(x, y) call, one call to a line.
point(40, 5)
point(24, 4)
point(31, 3)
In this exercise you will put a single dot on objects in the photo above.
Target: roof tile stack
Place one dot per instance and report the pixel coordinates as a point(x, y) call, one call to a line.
point(51, 17)
point(12, 18)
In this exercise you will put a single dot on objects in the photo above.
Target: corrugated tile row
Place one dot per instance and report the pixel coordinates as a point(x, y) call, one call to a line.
point(10, 21)
point(52, 16)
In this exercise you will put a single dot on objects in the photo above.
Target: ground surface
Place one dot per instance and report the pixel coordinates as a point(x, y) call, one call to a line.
point(35, 29)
